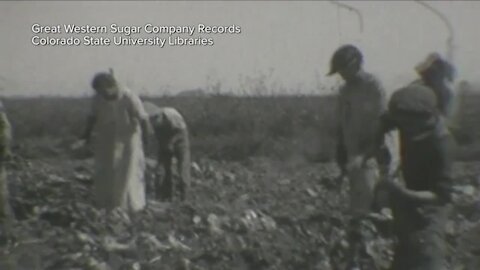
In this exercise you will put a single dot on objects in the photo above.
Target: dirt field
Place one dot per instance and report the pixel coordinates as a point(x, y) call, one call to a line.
point(258, 201)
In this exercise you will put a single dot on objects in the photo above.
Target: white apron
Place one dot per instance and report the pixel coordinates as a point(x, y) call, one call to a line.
point(118, 153)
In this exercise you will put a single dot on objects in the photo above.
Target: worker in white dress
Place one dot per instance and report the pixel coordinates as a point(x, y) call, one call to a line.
point(117, 126)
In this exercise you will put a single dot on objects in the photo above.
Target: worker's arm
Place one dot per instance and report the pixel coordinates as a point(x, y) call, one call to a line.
point(387, 153)
point(138, 112)
point(412, 196)
point(87, 135)
point(440, 192)
point(147, 130)
point(380, 150)
point(378, 120)
point(177, 137)
point(91, 119)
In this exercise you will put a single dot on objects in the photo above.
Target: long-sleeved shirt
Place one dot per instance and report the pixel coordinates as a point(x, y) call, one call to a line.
point(361, 102)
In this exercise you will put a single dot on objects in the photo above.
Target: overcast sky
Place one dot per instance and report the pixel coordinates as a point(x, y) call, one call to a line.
point(292, 39)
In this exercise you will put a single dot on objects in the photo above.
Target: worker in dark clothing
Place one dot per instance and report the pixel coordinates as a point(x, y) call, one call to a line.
point(436, 72)
point(172, 136)
point(361, 102)
point(421, 204)
point(341, 154)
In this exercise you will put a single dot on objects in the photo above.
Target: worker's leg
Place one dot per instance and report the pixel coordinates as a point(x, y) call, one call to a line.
point(430, 241)
point(420, 233)
point(420, 250)
point(363, 177)
point(166, 188)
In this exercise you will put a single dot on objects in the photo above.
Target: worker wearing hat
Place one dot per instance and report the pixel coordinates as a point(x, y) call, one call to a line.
point(119, 127)
point(172, 137)
point(361, 102)
point(421, 204)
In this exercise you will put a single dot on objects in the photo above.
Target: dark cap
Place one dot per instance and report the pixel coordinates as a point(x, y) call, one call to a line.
point(103, 80)
point(346, 55)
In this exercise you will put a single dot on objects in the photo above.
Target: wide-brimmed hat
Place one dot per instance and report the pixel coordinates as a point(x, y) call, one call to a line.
point(428, 62)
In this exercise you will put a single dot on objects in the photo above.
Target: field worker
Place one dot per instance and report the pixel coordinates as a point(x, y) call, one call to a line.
point(171, 133)
point(361, 102)
point(421, 204)
point(436, 73)
point(5, 137)
point(118, 124)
